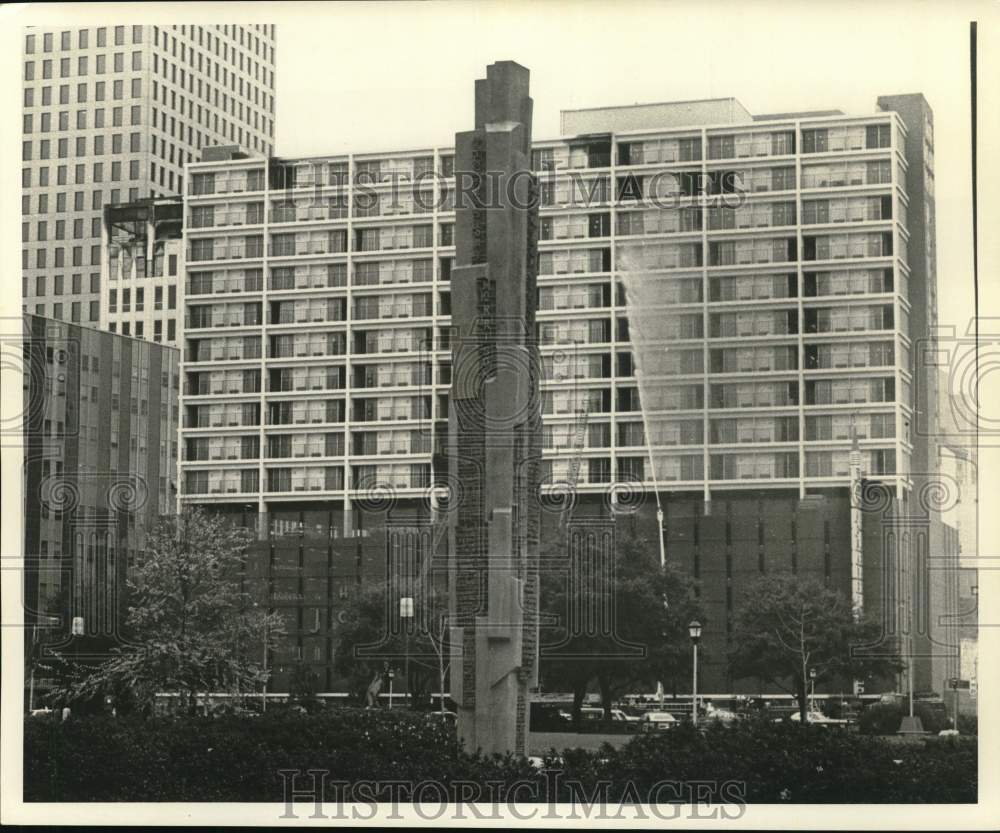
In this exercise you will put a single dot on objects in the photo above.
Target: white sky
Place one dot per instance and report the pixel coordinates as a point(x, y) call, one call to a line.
point(361, 77)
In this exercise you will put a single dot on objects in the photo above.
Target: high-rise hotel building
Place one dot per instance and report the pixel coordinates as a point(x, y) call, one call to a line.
point(774, 307)
point(111, 115)
point(724, 306)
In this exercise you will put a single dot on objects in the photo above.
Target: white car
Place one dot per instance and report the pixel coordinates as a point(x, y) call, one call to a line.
point(818, 718)
point(722, 715)
point(657, 721)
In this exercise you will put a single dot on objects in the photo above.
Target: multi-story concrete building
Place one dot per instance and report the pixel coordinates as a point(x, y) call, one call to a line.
point(111, 115)
point(724, 305)
point(100, 427)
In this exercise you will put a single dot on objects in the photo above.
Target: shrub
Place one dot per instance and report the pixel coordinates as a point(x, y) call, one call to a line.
point(968, 724)
point(233, 758)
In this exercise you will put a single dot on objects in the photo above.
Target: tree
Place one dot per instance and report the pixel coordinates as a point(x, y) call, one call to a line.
point(653, 605)
point(303, 685)
point(786, 626)
point(190, 626)
point(367, 648)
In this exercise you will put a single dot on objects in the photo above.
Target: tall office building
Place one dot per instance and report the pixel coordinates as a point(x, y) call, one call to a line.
point(111, 115)
point(724, 308)
point(100, 428)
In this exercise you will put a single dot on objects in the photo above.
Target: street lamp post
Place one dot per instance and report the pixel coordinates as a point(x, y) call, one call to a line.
point(406, 615)
point(694, 629)
point(666, 611)
point(812, 691)
point(392, 675)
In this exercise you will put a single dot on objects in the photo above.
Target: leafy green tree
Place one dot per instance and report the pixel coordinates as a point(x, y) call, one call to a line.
point(190, 626)
point(648, 643)
point(785, 626)
point(367, 648)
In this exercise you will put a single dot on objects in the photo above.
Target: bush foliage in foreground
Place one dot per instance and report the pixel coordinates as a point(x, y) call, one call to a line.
point(238, 759)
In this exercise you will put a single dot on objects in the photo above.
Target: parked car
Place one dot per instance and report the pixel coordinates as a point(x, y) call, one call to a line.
point(816, 717)
point(657, 721)
point(722, 715)
point(591, 713)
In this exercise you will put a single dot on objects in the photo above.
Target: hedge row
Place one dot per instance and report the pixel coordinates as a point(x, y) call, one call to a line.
point(239, 759)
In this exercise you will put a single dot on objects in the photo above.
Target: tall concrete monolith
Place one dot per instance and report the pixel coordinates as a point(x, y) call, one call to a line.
point(495, 421)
